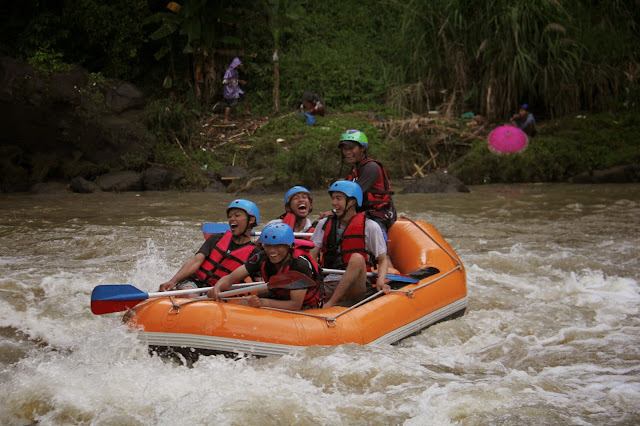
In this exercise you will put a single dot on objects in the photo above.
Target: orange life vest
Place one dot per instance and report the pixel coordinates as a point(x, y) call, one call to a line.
point(221, 261)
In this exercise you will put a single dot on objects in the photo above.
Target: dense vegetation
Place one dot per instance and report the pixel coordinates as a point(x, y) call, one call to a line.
point(396, 58)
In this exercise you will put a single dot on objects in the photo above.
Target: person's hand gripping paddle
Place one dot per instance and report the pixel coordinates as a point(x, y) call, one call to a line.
point(110, 298)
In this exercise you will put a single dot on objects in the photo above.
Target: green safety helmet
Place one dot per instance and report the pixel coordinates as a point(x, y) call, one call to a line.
point(354, 135)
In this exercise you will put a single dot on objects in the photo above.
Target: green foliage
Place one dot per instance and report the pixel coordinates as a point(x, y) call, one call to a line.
point(175, 128)
point(309, 155)
point(168, 120)
point(47, 62)
point(578, 145)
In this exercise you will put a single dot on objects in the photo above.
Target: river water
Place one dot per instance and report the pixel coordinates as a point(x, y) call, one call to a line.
point(551, 334)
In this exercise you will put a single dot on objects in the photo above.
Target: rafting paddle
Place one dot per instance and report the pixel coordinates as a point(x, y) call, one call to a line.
point(210, 228)
point(110, 298)
point(392, 277)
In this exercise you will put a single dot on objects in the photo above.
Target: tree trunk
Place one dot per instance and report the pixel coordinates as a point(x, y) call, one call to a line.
point(276, 82)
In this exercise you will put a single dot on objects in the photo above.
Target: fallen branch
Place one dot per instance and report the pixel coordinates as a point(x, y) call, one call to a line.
point(180, 145)
point(247, 185)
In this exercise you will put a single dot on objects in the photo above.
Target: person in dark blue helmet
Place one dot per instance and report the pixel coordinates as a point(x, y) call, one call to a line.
point(525, 121)
point(221, 253)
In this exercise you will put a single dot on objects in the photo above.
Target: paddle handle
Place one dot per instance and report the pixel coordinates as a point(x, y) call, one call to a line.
point(392, 277)
point(256, 287)
point(341, 272)
point(295, 234)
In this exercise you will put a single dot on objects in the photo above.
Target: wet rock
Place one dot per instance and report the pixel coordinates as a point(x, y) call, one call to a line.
point(49, 188)
point(120, 181)
point(436, 182)
point(216, 186)
point(629, 173)
point(233, 172)
point(65, 87)
point(83, 186)
point(123, 97)
point(72, 120)
point(160, 178)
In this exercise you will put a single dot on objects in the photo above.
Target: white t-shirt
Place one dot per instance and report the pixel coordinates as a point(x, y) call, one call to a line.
point(307, 223)
point(373, 238)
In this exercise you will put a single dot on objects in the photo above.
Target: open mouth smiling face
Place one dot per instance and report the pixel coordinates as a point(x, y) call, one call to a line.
point(237, 221)
point(300, 205)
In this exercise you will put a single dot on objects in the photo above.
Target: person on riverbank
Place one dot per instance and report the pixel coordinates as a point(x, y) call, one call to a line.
point(298, 205)
point(278, 255)
point(348, 240)
point(221, 253)
point(312, 104)
point(372, 178)
point(525, 121)
point(232, 92)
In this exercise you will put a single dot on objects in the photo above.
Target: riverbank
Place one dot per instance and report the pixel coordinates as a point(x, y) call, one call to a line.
point(77, 131)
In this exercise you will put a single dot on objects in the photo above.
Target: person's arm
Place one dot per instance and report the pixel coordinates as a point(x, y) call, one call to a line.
point(374, 242)
point(316, 239)
point(225, 282)
point(296, 298)
point(188, 269)
point(383, 266)
point(368, 176)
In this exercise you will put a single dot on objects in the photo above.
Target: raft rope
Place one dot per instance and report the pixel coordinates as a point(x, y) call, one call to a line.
point(331, 321)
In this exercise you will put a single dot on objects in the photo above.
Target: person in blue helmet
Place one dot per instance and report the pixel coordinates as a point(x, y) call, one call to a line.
point(525, 121)
point(278, 256)
point(221, 253)
point(298, 204)
point(349, 241)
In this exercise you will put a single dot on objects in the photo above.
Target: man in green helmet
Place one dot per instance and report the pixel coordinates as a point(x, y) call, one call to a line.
point(371, 176)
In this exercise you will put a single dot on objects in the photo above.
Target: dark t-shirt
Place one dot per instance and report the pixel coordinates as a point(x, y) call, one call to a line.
point(367, 175)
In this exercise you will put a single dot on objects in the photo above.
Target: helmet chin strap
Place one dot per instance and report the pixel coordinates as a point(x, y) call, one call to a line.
point(246, 228)
point(347, 208)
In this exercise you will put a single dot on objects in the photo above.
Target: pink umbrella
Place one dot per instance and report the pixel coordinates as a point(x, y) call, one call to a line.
point(507, 139)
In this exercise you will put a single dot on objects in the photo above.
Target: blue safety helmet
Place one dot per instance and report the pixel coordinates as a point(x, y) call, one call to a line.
point(354, 135)
point(525, 107)
point(349, 188)
point(247, 206)
point(277, 233)
point(293, 191)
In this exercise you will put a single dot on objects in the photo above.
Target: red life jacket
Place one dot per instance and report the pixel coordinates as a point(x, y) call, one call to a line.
point(377, 200)
point(352, 241)
point(303, 243)
point(314, 296)
point(221, 262)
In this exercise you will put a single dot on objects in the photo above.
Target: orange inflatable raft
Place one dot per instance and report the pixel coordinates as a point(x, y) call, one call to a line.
point(206, 326)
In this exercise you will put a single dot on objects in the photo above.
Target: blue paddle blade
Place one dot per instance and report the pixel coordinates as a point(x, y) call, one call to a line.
point(115, 298)
point(117, 292)
point(209, 228)
point(401, 278)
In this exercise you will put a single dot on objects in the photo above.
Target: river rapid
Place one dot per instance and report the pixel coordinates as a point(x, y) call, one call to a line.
point(551, 334)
